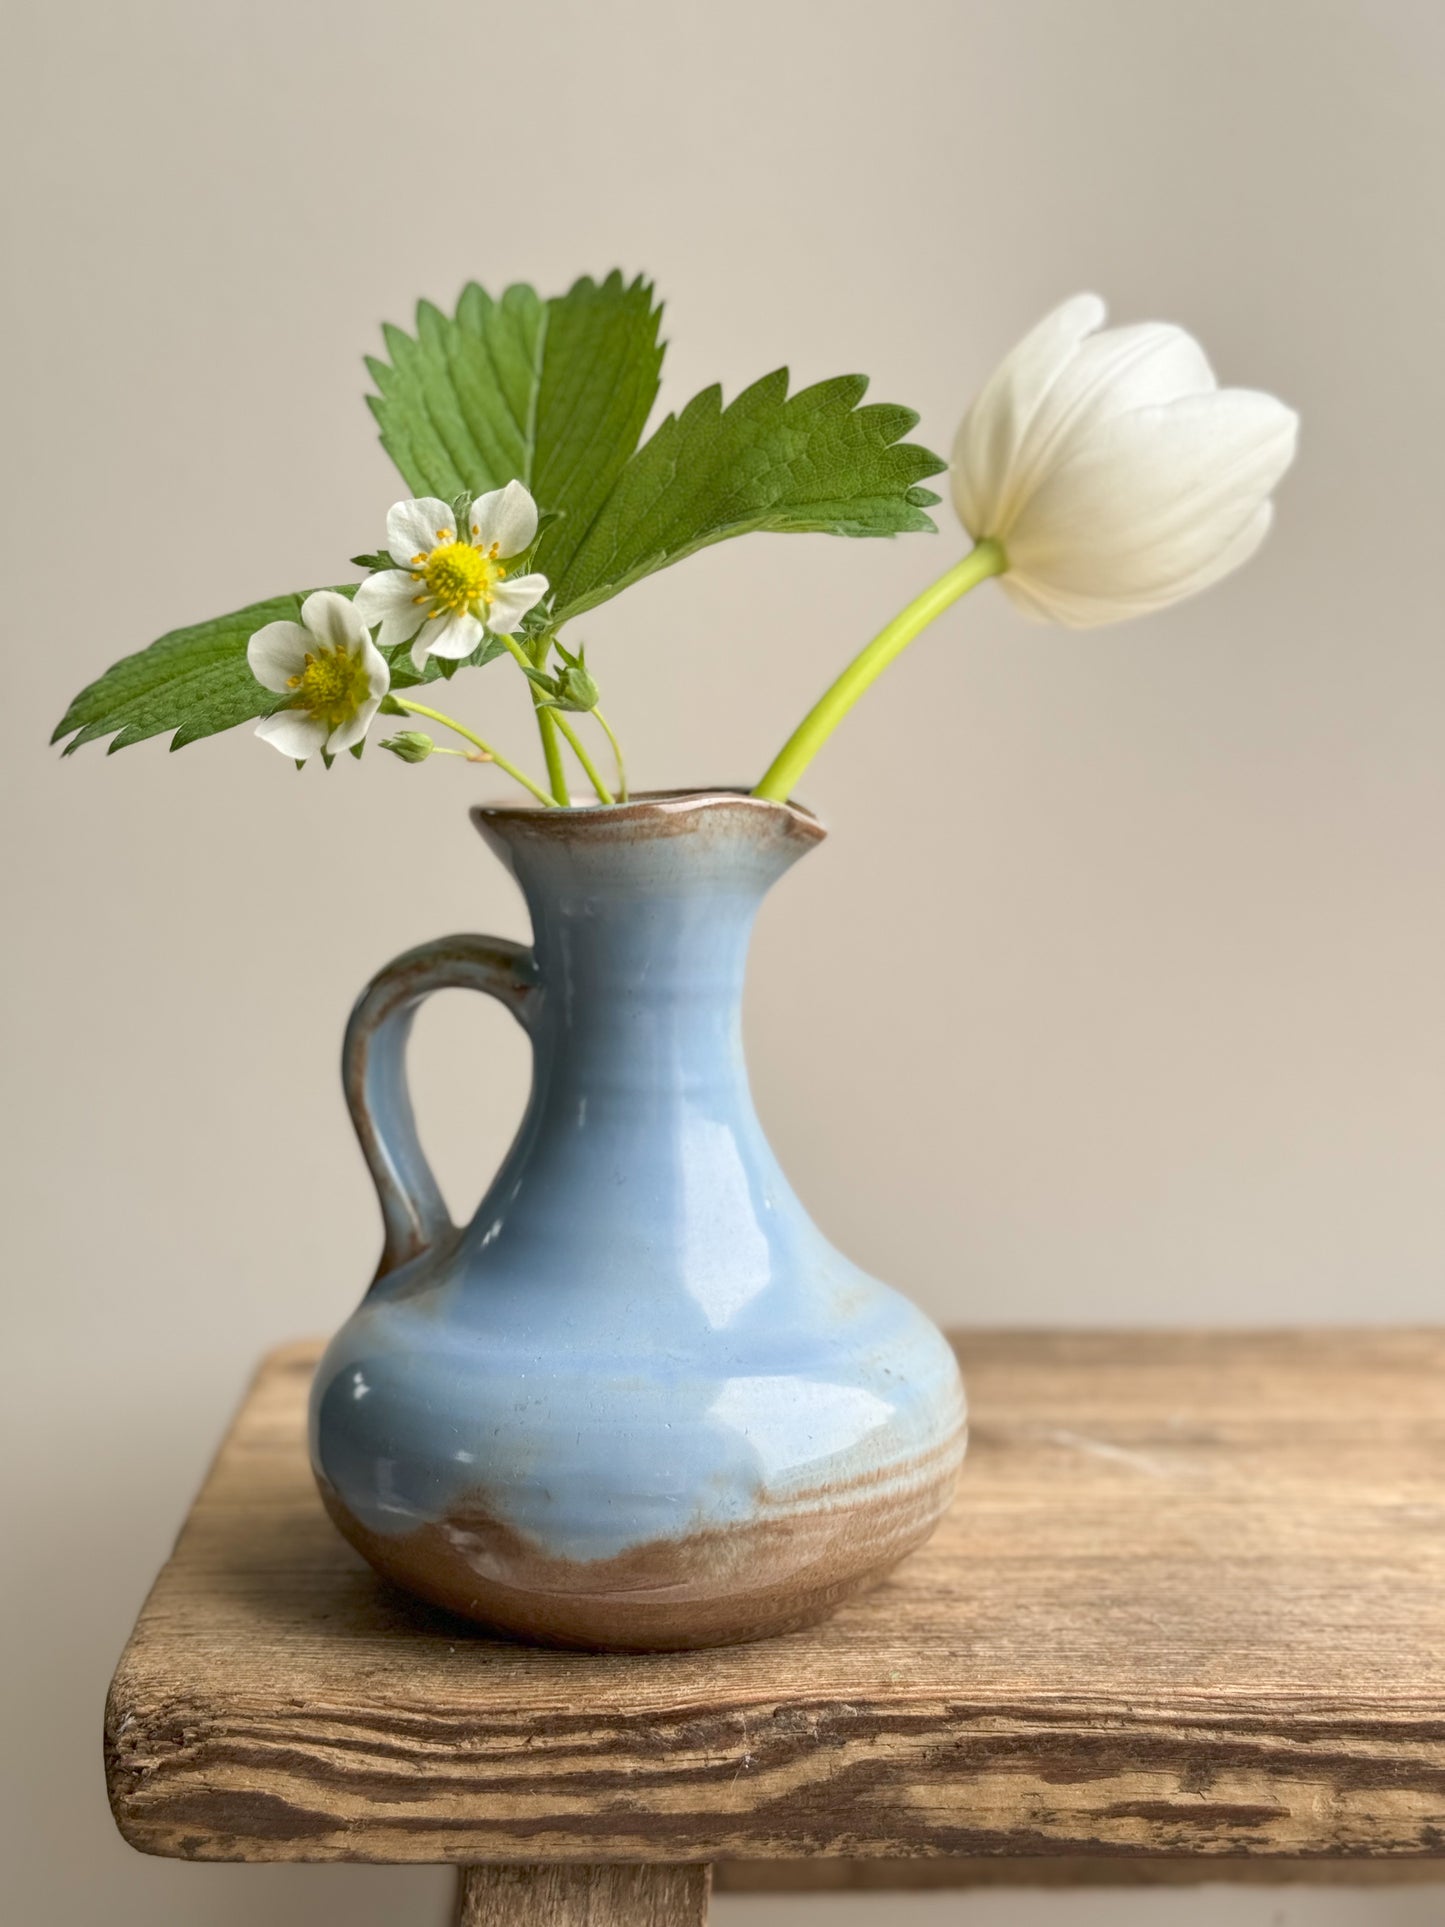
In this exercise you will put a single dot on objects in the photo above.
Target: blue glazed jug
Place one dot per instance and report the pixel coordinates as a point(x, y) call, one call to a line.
point(639, 1402)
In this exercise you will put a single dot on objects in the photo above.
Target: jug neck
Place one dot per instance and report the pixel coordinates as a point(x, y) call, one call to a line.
point(641, 916)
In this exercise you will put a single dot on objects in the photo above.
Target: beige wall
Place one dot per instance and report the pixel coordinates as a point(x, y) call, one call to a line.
point(1117, 993)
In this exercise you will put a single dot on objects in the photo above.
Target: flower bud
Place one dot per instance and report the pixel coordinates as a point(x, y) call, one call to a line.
point(411, 746)
point(576, 689)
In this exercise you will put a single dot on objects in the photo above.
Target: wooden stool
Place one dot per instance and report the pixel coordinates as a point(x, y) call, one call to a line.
point(1186, 1621)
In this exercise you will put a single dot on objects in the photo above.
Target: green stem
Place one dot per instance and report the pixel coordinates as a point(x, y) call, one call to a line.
point(604, 795)
point(492, 755)
point(552, 723)
point(547, 726)
point(546, 720)
point(552, 750)
point(833, 705)
point(607, 731)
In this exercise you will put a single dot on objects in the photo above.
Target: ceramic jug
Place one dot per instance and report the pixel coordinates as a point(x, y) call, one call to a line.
point(639, 1402)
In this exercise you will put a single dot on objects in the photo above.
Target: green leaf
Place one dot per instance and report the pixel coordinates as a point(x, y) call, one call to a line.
point(553, 393)
point(816, 461)
point(197, 681)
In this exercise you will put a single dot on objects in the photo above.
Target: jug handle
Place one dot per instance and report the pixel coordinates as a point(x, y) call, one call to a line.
point(373, 1074)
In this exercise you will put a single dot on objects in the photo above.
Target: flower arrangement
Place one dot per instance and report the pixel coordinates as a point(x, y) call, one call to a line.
point(1100, 474)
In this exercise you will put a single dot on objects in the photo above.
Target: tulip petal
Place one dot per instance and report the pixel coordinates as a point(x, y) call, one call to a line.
point(504, 522)
point(1110, 374)
point(511, 601)
point(1152, 498)
point(990, 433)
point(293, 732)
point(416, 528)
point(390, 598)
point(278, 652)
point(1230, 556)
point(1043, 603)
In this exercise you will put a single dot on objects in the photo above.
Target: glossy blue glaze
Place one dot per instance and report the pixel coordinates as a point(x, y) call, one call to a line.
point(639, 1400)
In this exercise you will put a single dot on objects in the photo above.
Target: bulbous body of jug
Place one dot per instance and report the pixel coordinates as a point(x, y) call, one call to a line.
point(639, 1402)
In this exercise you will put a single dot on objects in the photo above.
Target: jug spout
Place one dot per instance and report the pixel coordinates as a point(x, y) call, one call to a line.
point(667, 883)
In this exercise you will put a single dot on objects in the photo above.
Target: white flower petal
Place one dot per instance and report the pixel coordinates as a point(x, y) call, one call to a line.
point(416, 528)
point(451, 636)
point(293, 732)
point(989, 436)
point(512, 599)
point(1035, 602)
point(334, 621)
point(355, 726)
point(276, 653)
point(390, 598)
point(456, 635)
point(504, 521)
point(1232, 555)
point(1111, 374)
point(378, 675)
point(1153, 497)
point(1114, 471)
point(1043, 603)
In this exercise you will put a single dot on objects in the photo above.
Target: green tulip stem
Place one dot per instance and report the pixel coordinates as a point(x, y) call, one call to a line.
point(833, 705)
point(491, 755)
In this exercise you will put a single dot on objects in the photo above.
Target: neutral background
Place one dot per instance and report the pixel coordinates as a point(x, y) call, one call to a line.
point(1117, 993)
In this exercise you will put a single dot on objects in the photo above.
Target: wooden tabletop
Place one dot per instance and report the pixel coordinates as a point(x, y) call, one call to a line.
point(1190, 1601)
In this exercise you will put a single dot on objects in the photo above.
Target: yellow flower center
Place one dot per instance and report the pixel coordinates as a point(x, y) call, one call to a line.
point(456, 575)
point(332, 685)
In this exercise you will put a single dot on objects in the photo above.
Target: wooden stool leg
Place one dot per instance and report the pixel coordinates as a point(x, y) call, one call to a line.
point(546, 1894)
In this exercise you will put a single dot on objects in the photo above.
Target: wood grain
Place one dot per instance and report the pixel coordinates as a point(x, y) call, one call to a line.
point(1066, 1870)
point(548, 1895)
point(1191, 1601)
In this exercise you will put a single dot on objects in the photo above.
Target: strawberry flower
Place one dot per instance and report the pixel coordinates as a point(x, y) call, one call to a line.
point(451, 583)
point(330, 668)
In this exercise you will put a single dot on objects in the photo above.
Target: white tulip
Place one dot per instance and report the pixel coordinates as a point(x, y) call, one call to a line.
point(330, 668)
point(457, 582)
point(1113, 471)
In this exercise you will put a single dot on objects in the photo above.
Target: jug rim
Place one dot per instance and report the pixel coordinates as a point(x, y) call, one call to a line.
point(646, 813)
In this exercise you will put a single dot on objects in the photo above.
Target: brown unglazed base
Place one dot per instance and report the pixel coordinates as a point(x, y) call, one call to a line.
point(722, 1587)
